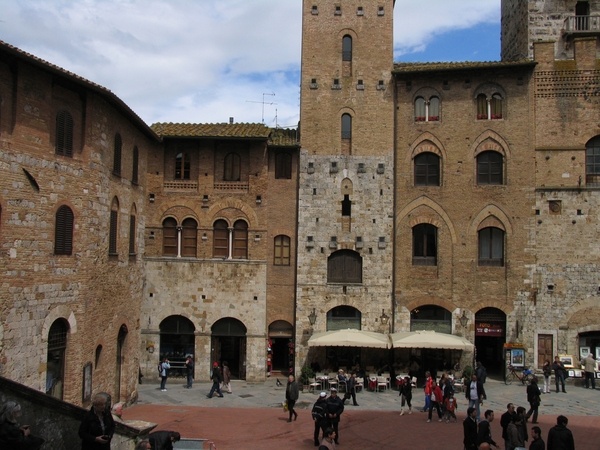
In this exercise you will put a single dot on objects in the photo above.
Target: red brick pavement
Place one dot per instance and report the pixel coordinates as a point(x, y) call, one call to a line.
point(267, 428)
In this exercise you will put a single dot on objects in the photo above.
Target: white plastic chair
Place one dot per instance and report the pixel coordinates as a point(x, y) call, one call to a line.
point(382, 382)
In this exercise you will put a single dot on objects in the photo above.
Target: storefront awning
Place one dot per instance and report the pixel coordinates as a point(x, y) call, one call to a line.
point(349, 338)
point(430, 339)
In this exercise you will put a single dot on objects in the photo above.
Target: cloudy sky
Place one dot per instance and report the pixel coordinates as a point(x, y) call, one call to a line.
point(203, 61)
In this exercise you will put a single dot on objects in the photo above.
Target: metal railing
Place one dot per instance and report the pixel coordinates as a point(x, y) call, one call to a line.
point(582, 24)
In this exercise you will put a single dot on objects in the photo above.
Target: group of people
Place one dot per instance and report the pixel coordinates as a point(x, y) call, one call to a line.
point(220, 376)
point(326, 414)
point(438, 396)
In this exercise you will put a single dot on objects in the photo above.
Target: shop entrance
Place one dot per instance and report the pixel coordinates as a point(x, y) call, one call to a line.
point(228, 344)
point(589, 343)
point(278, 347)
point(490, 336)
point(176, 342)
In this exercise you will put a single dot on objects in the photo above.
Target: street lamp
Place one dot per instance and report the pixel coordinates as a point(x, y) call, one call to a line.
point(384, 317)
point(464, 320)
point(312, 317)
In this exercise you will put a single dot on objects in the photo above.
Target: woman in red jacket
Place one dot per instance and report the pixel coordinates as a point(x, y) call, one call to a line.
point(435, 400)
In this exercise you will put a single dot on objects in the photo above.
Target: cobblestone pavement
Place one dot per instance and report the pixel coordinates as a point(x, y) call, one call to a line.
point(252, 417)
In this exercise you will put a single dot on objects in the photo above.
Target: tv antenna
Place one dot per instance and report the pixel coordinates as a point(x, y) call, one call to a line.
point(263, 104)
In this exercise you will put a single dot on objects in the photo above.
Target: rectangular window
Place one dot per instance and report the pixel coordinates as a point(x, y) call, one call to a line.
point(112, 243)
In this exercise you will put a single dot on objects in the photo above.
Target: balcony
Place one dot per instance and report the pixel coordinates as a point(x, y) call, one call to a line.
point(582, 25)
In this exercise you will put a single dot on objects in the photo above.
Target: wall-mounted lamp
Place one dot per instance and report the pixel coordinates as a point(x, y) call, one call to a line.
point(258, 199)
point(312, 317)
point(151, 198)
point(464, 320)
point(150, 347)
point(204, 237)
point(384, 317)
point(205, 198)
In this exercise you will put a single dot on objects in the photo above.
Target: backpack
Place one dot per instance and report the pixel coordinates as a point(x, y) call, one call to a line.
point(160, 368)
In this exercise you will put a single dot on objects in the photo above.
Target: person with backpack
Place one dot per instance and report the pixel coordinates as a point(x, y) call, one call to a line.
point(319, 416)
point(163, 366)
point(405, 395)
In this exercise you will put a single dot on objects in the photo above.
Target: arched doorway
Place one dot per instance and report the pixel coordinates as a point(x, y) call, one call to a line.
point(490, 336)
point(120, 360)
point(280, 336)
point(55, 365)
point(431, 318)
point(229, 344)
point(177, 341)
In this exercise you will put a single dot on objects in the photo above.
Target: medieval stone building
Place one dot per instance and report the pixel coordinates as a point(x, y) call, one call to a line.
point(456, 197)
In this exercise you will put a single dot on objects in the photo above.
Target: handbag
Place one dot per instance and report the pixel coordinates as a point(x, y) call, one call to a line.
point(285, 406)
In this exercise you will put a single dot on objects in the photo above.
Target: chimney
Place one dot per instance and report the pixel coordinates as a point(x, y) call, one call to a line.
point(231, 121)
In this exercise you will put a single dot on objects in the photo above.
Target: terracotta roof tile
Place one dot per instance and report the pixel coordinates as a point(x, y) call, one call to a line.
point(400, 68)
point(284, 137)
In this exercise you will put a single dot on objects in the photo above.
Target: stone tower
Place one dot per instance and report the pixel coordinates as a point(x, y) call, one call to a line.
point(527, 22)
point(345, 219)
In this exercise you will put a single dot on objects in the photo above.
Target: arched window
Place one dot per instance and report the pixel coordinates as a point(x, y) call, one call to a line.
point(117, 155)
point(427, 169)
point(427, 110)
point(283, 165)
point(592, 162)
point(347, 48)
point(232, 167)
point(344, 266)
point(489, 108)
point(496, 106)
point(63, 231)
point(240, 240)
point(55, 362)
point(189, 236)
point(489, 168)
point(420, 111)
point(64, 134)
point(346, 126)
point(431, 317)
point(434, 109)
point(114, 228)
point(182, 166)
point(134, 171)
point(482, 107)
point(343, 318)
point(170, 237)
point(220, 239)
point(424, 245)
point(491, 246)
point(132, 230)
point(282, 251)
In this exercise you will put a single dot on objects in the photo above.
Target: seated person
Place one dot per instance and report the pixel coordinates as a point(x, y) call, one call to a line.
point(341, 376)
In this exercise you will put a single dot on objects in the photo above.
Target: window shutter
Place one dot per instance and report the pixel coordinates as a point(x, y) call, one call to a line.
point(63, 237)
point(112, 242)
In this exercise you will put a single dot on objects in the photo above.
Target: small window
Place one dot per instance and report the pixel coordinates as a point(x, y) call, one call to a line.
point(344, 266)
point(220, 239)
point(240, 240)
point(282, 251)
point(491, 247)
point(132, 229)
point(170, 237)
point(63, 235)
point(117, 155)
point(182, 166)
point(189, 236)
point(433, 115)
point(114, 228)
point(283, 166)
point(134, 171)
point(420, 112)
point(424, 245)
point(496, 107)
point(232, 167)
point(64, 134)
point(482, 107)
point(489, 168)
point(347, 48)
point(427, 169)
point(592, 162)
point(346, 126)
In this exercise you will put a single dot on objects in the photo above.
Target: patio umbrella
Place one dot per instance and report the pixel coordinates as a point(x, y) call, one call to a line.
point(349, 338)
point(429, 339)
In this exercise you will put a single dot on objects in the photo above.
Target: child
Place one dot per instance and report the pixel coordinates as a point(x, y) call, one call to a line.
point(450, 405)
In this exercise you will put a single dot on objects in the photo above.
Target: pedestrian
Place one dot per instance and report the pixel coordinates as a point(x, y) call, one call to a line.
point(559, 373)
point(427, 388)
point(97, 427)
point(406, 395)
point(13, 435)
point(481, 375)
point(163, 440)
point(162, 371)
point(484, 434)
point(216, 379)
point(117, 412)
point(291, 395)
point(319, 416)
point(189, 368)
point(515, 438)
point(589, 365)
point(335, 408)
point(547, 369)
point(522, 425)
point(506, 419)
point(450, 408)
point(434, 401)
point(474, 393)
point(329, 440)
point(533, 397)
point(537, 443)
point(143, 445)
point(470, 429)
point(351, 389)
point(559, 436)
point(226, 377)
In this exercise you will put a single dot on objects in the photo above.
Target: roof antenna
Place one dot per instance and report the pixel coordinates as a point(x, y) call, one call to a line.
point(263, 104)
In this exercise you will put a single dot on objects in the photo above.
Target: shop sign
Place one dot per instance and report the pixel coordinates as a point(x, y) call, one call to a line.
point(489, 329)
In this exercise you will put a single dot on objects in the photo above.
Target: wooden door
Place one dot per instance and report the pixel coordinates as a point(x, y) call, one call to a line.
point(544, 349)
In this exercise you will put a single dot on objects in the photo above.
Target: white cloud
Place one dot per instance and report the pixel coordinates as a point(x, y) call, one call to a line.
point(200, 60)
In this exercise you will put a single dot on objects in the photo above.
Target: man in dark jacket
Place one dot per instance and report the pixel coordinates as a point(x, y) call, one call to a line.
point(216, 378)
point(189, 367)
point(335, 408)
point(319, 413)
point(485, 433)
point(559, 373)
point(474, 393)
point(560, 437)
point(351, 389)
point(163, 440)
point(537, 443)
point(505, 419)
point(470, 429)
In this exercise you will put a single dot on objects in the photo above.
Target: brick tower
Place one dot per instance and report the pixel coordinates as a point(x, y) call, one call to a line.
point(345, 222)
